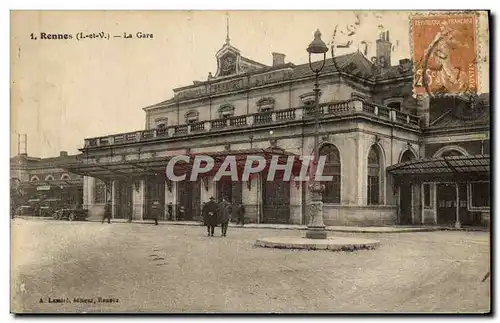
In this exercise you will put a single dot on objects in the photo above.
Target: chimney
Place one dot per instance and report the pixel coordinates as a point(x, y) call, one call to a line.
point(384, 48)
point(63, 153)
point(278, 59)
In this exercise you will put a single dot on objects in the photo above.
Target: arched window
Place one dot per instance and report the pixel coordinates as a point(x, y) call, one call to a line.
point(450, 153)
point(100, 191)
point(34, 179)
point(394, 103)
point(332, 168)
point(226, 111)
point(49, 178)
point(407, 156)
point(65, 177)
point(374, 176)
point(265, 104)
point(192, 116)
point(161, 123)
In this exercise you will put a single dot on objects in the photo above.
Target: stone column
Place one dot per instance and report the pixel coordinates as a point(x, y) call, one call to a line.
point(296, 202)
point(170, 197)
point(250, 199)
point(361, 171)
point(112, 189)
point(87, 181)
point(138, 200)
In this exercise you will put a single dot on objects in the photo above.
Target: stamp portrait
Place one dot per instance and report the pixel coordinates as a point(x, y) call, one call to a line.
point(444, 49)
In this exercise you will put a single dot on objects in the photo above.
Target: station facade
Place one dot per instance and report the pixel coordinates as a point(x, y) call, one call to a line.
point(372, 130)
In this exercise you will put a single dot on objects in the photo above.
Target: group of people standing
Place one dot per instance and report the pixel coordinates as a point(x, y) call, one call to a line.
point(221, 213)
point(213, 214)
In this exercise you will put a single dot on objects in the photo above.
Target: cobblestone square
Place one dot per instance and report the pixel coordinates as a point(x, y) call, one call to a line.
point(178, 269)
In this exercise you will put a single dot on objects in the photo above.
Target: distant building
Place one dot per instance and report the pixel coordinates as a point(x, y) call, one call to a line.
point(375, 134)
point(44, 179)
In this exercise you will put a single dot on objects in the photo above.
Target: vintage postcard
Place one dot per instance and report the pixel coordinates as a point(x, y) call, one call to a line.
point(250, 162)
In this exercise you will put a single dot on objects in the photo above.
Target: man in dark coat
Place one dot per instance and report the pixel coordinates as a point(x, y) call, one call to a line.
point(210, 216)
point(170, 211)
point(107, 212)
point(155, 208)
point(224, 215)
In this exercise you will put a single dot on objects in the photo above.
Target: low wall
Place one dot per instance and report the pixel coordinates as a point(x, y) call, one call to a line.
point(337, 215)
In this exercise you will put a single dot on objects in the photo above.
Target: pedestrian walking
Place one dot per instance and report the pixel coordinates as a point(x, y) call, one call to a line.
point(240, 212)
point(225, 210)
point(210, 211)
point(170, 211)
point(107, 212)
point(155, 208)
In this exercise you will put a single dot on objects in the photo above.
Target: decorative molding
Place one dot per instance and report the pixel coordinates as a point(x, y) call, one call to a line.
point(377, 139)
point(266, 104)
point(137, 186)
point(227, 146)
point(273, 143)
point(325, 138)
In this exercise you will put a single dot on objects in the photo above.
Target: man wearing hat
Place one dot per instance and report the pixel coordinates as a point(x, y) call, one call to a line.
point(210, 216)
point(225, 211)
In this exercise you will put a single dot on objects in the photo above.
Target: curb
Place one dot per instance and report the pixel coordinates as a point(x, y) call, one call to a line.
point(291, 227)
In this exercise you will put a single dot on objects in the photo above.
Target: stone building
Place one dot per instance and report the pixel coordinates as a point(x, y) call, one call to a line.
point(371, 129)
point(45, 178)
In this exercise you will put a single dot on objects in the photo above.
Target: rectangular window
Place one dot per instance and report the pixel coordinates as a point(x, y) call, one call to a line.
point(100, 191)
point(427, 195)
point(480, 194)
point(373, 190)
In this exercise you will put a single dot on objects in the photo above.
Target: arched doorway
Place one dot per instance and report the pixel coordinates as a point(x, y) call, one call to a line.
point(405, 193)
point(332, 168)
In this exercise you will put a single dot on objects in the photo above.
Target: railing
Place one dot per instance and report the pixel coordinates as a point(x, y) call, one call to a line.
point(348, 107)
point(339, 107)
point(219, 124)
point(383, 111)
point(181, 130)
point(198, 126)
point(238, 121)
point(288, 114)
point(263, 117)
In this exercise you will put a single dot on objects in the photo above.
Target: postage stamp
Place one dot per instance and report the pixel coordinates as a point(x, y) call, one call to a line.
point(444, 49)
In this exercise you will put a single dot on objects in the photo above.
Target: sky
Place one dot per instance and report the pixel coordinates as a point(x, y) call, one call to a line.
point(63, 91)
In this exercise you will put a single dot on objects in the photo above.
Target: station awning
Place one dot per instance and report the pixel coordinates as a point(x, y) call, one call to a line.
point(467, 167)
point(157, 166)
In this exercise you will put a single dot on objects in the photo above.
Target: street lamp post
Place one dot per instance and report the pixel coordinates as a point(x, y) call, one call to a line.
point(316, 228)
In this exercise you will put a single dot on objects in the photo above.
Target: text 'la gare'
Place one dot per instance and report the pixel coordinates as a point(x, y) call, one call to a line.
point(138, 35)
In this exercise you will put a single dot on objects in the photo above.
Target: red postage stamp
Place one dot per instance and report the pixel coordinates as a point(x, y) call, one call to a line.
point(444, 53)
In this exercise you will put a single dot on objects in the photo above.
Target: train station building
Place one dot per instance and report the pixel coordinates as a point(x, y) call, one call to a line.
point(393, 158)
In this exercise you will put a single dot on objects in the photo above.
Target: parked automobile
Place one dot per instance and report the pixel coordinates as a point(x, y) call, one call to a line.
point(72, 214)
point(49, 206)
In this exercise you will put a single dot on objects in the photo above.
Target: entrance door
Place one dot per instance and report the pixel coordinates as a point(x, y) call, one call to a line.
point(276, 202)
point(405, 203)
point(231, 190)
point(447, 203)
point(124, 205)
point(189, 196)
point(155, 190)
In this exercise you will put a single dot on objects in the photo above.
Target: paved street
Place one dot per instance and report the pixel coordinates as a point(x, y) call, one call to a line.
point(166, 268)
